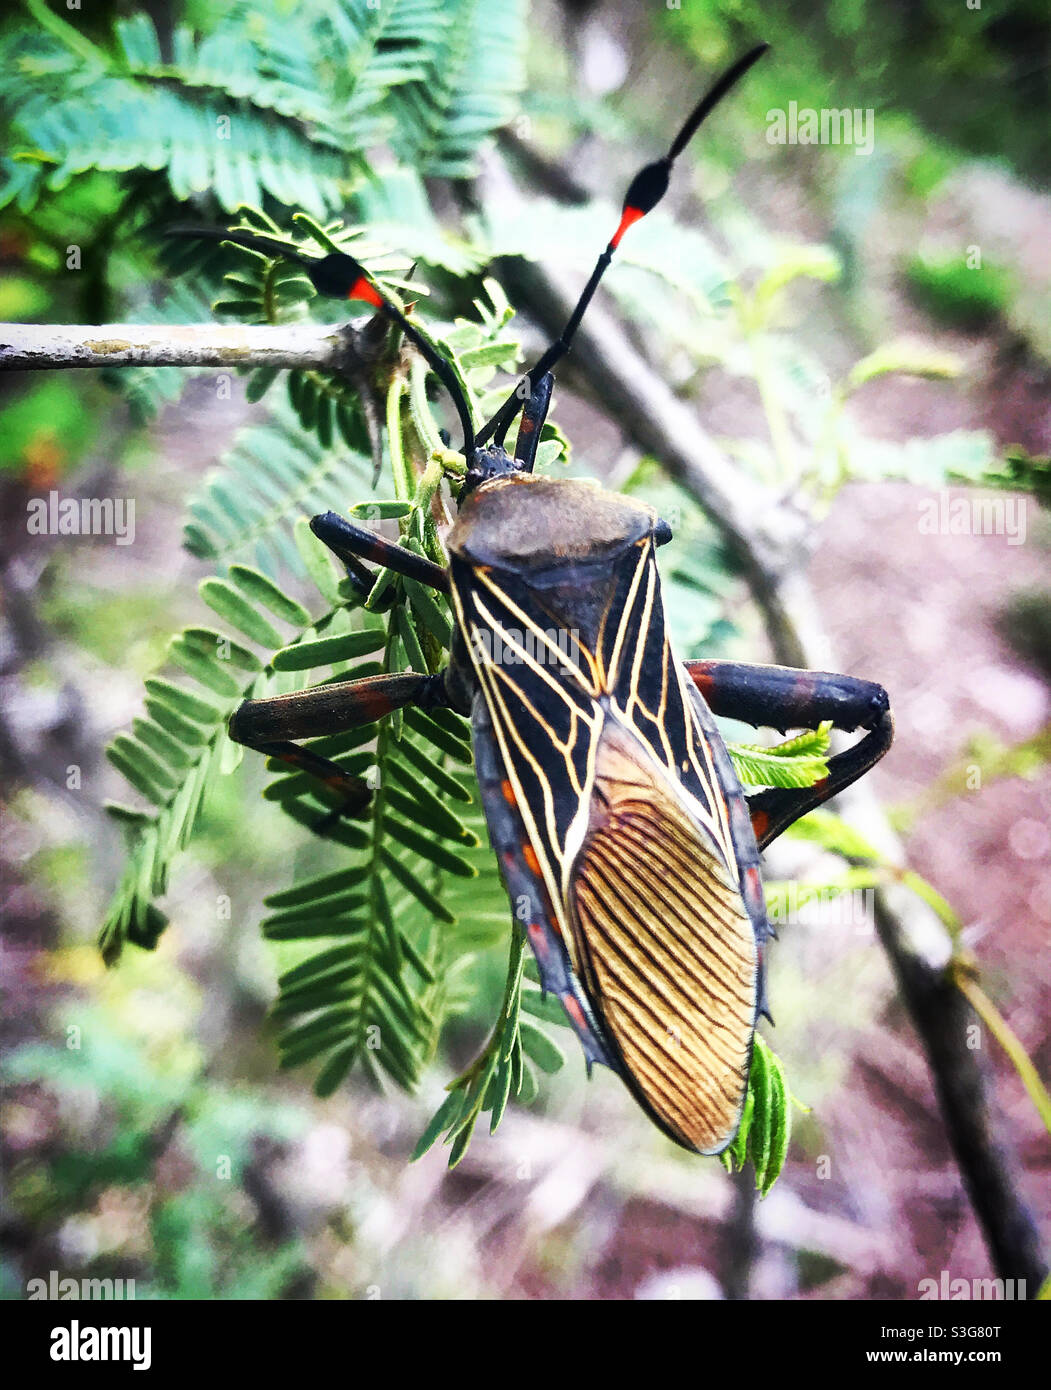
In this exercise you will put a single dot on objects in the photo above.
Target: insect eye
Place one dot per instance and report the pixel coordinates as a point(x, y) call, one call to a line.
point(662, 532)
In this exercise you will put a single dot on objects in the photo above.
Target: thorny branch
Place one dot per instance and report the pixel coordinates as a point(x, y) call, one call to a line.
point(317, 346)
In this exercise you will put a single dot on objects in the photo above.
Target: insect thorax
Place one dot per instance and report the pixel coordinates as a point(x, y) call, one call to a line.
point(527, 525)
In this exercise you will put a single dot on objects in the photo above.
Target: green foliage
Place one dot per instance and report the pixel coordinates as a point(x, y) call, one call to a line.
point(360, 993)
point(276, 100)
point(130, 112)
point(352, 986)
point(108, 142)
point(467, 87)
point(1019, 472)
point(799, 762)
point(499, 1070)
point(816, 444)
point(45, 427)
point(141, 1102)
point(959, 294)
point(274, 473)
point(766, 1121)
point(984, 758)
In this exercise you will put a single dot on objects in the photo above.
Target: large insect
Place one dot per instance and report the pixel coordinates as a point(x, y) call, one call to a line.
point(624, 839)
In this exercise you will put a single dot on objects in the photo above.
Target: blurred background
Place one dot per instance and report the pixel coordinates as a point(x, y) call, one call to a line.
point(858, 330)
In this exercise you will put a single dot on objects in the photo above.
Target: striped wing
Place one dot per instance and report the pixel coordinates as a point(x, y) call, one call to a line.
point(667, 950)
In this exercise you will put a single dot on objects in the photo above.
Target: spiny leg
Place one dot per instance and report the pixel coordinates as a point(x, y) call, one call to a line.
point(533, 417)
point(355, 543)
point(782, 698)
point(269, 725)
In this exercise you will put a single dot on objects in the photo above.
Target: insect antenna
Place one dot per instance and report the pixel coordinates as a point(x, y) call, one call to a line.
point(339, 276)
point(647, 188)
point(253, 241)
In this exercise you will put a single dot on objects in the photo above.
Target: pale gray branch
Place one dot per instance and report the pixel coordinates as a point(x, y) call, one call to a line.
point(307, 346)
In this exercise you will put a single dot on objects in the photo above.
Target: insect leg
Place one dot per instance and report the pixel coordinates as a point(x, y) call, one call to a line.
point(269, 725)
point(533, 417)
point(355, 543)
point(779, 697)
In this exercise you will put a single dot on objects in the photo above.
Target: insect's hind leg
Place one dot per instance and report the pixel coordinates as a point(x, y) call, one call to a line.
point(270, 725)
point(352, 544)
point(782, 698)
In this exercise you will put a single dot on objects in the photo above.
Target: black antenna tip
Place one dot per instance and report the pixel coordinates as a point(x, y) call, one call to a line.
point(712, 98)
point(648, 187)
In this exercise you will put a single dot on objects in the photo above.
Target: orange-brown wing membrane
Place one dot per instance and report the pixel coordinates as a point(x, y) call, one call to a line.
point(666, 947)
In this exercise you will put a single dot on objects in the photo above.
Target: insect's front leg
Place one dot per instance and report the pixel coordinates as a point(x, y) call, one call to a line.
point(780, 697)
point(270, 725)
point(352, 544)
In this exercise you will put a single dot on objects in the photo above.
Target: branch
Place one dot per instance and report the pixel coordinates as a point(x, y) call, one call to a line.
point(942, 1016)
point(317, 346)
